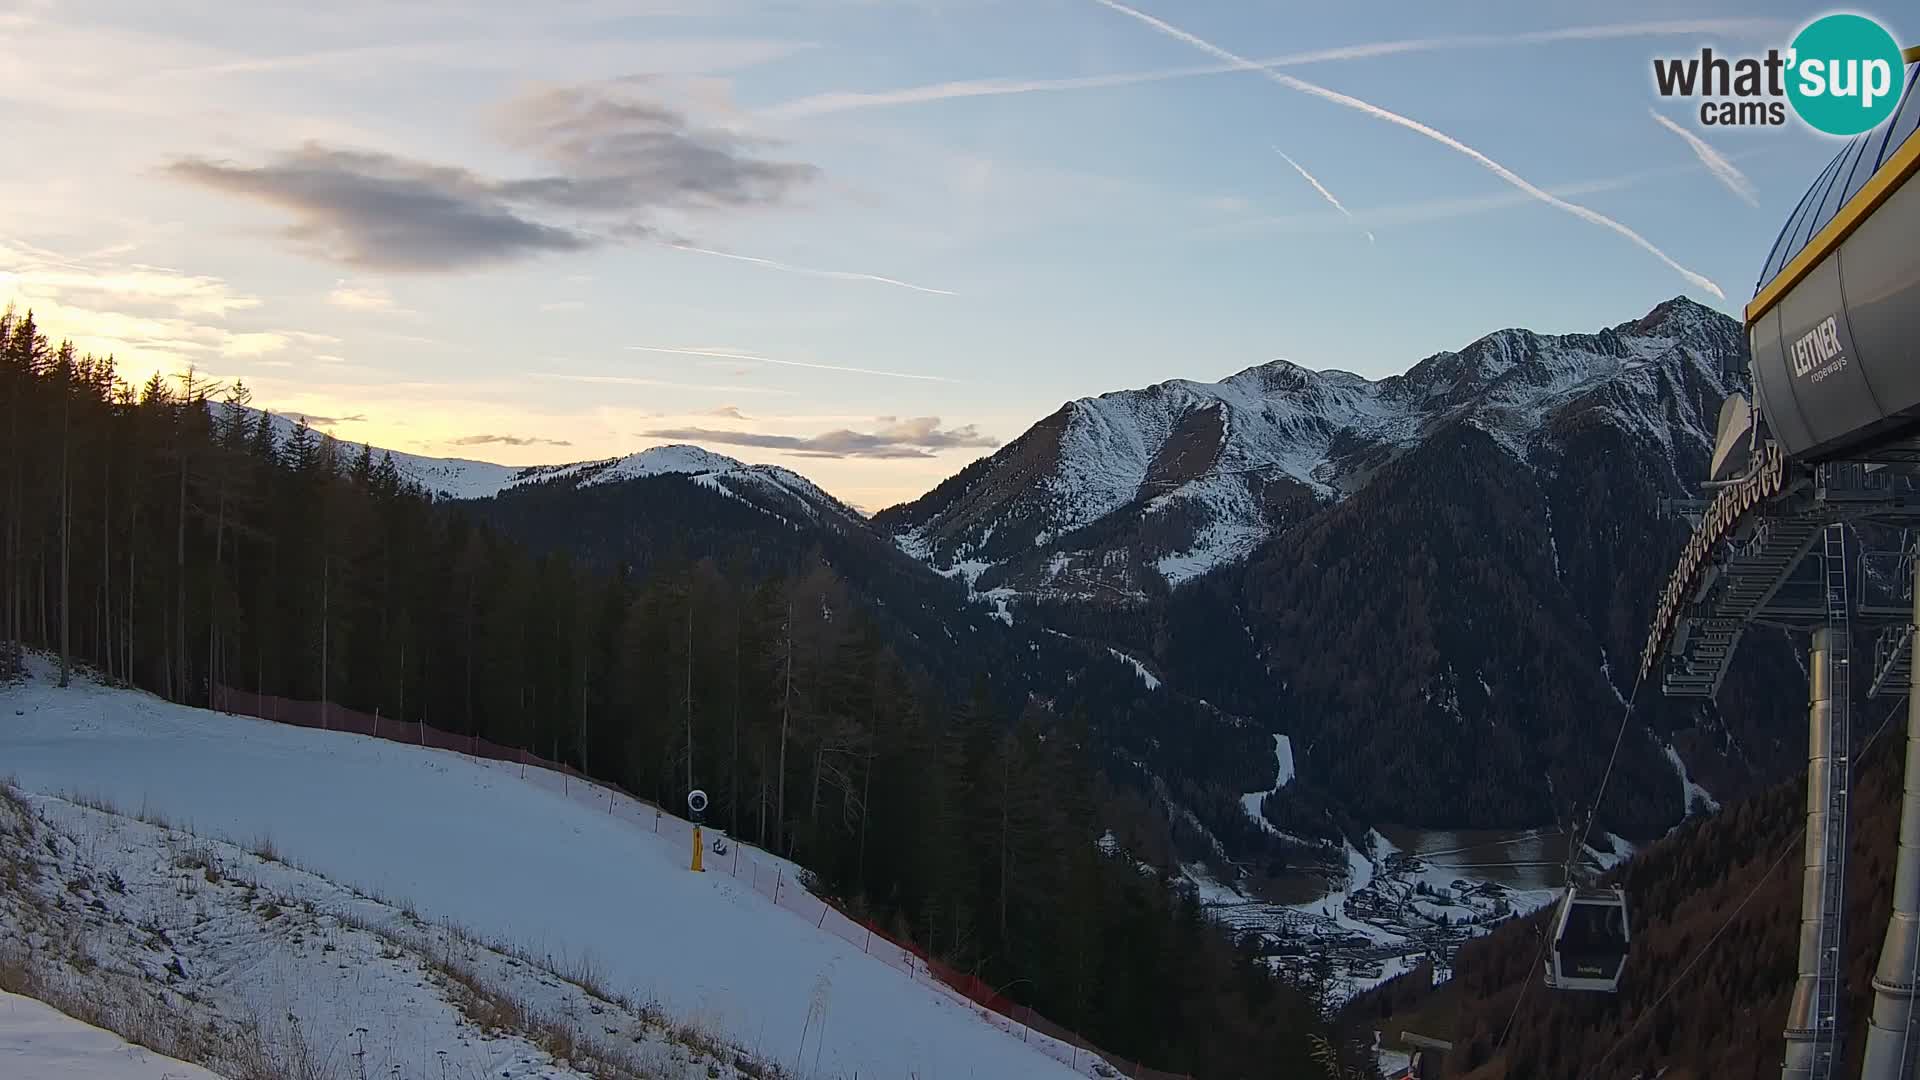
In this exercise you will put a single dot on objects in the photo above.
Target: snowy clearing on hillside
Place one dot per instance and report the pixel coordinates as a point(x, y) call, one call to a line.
point(1219, 545)
point(1283, 760)
point(184, 934)
point(1695, 798)
point(538, 868)
point(38, 1040)
point(1139, 669)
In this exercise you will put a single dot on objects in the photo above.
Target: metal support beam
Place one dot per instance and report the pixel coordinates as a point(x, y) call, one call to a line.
point(1812, 1031)
point(1892, 1052)
point(1800, 1015)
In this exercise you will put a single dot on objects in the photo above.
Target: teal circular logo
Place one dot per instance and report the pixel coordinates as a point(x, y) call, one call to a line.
point(1844, 74)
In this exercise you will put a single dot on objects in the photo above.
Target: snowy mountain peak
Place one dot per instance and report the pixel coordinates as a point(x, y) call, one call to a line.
point(778, 491)
point(1169, 481)
point(677, 459)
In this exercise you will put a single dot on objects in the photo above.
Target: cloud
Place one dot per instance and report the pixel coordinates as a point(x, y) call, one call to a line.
point(353, 297)
point(721, 354)
point(1292, 83)
point(841, 101)
point(40, 272)
point(615, 162)
point(383, 212)
point(553, 306)
point(505, 440)
point(731, 412)
point(847, 275)
point(617, 151)
point(1716, 162)
point(330, 421)
point(1321, 188)
point(147, 317)
point(916, 437)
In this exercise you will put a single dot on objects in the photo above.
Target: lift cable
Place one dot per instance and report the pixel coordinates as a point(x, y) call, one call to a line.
point(1593, 810)
point(1755, 891)
point(1526, 982)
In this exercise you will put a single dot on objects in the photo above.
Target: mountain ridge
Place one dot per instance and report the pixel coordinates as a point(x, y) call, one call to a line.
point(1136, 491)
point(467, 478)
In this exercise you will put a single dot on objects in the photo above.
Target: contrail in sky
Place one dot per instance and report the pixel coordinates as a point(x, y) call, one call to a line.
point(720, 354)
point(1440, 137)
point(845, 275)
point(1716, 163)
point(1322, 189)
point(843, 100)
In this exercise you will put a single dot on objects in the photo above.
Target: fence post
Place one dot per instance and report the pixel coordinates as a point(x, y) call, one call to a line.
point(823, 918)
point(778, 871)
point(736, 859)
point(867, 945)
point(656, 819)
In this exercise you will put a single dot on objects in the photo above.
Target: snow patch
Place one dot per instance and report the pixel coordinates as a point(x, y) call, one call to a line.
point(1617, 851)
point(1210, 890)
point(38, 1040)
point(1219, 545)
point(1283, 760)
point(1697, 798)
point(1138, 667)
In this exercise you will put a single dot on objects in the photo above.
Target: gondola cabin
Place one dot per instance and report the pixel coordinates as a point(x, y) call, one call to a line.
point(1590, 939)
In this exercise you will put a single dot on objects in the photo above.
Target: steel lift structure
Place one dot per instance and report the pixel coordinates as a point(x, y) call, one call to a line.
point(1828, 450)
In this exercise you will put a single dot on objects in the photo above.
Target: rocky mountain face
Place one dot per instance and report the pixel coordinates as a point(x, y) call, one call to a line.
point(1435, 584)
point(1134, 491)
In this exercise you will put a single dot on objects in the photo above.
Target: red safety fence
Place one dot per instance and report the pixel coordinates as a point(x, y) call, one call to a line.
point(768, 875)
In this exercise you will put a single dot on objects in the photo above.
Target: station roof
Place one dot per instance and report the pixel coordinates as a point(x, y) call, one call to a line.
point(1860, 177)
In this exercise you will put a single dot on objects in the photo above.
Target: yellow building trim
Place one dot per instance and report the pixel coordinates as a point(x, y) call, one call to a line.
point(1911, 56)
point(1885, 182)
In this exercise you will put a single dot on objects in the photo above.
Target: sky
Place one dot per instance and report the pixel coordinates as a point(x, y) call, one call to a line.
point(870, 240)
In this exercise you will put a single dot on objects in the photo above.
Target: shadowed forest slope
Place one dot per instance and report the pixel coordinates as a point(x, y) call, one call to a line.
point(1735, 875)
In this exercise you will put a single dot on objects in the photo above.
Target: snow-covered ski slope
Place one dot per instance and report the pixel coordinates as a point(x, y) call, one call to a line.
point(39, 1041)
point(521, 862)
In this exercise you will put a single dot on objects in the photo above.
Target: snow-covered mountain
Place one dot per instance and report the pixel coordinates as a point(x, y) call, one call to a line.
point(1140, 489)
point(460, 478)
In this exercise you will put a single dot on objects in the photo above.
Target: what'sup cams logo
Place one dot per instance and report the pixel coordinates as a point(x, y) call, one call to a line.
point(1842, 75)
